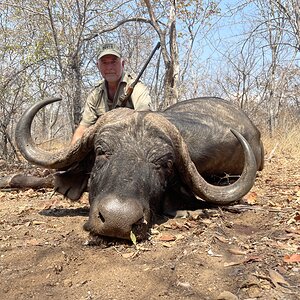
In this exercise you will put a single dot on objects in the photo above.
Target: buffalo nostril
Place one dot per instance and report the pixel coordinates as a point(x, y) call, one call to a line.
point(101, 217)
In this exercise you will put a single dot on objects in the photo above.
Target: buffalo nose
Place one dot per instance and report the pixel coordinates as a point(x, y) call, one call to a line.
point(111, 216)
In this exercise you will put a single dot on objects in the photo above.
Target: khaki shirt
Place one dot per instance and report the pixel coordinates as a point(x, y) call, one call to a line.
point(98, 103)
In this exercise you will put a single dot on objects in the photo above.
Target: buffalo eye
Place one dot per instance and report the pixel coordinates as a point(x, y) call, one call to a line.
point(99, 151)
point(164, 169)
point(164, 165)
point(161, 164)
point(168, 166)
point(102, 152)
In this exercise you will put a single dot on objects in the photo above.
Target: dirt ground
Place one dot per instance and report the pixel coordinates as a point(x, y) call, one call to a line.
point(249, 251)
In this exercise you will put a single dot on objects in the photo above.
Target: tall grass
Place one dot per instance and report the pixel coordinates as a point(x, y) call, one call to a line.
point(284, 141)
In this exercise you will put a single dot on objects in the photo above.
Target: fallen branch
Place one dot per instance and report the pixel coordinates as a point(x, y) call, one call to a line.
point(21, 181)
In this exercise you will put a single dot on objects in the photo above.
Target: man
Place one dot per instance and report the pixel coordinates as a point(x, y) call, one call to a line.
point(106, 95)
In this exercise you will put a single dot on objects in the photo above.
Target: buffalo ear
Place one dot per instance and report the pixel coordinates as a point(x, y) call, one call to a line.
point(72, 182)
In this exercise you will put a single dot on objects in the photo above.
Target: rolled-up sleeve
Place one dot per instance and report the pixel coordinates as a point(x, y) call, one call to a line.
point(92, 109)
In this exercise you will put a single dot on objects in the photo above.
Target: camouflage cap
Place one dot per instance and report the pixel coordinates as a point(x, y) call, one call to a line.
point(109, 48)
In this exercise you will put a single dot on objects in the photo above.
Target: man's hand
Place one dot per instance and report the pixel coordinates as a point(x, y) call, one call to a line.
point(78, 133)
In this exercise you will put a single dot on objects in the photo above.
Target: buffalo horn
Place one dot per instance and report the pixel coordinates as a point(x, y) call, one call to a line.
point(214, 194)
point(53, 160)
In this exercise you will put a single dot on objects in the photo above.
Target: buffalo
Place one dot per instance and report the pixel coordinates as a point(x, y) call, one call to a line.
point(139, 164)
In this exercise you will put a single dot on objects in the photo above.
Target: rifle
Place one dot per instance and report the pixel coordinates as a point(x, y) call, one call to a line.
point(124, 98)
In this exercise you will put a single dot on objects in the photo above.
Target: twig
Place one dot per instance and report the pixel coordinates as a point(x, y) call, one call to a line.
point(272, 152)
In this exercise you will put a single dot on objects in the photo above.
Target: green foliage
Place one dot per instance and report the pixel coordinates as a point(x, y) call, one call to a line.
point(133, 238)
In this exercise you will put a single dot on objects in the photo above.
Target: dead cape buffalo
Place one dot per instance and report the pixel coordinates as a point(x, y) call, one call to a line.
point(139, 164)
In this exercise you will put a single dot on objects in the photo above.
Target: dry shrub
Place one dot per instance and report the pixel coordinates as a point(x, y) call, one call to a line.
point(284, 141)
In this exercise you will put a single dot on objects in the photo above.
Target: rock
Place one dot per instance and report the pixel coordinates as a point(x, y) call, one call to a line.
point(227, 296)
point(67, 283)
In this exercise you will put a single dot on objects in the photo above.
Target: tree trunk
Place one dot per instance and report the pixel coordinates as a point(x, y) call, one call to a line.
point(172, 70)
point(171, 79)
point(77, 84)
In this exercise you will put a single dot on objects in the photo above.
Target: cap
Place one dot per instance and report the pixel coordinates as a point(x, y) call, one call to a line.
point(109, 48)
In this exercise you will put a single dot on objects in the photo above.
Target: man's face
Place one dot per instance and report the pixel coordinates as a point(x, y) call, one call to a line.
point(111, 67)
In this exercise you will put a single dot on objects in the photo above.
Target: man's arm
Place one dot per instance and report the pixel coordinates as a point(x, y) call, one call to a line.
point(78, 133)
point(141, 97)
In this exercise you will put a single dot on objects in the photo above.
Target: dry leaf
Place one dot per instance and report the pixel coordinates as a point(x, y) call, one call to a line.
point(176, 225)
point(167, 237)
point(167, 245)
point(233, 263)
point(50, 204)
point(33, 242)
point(141, 248)
point(252, 259)
point(128, 255)
point(27, 224)
point(185, 285)
point(167, 226)
point(250, 198)
point(246, 260)
point(211, 253)
point(154, 231)
point(237, 251)
point(295, 231)
point(38, 222)
point(226, 295)
point(221, 238)
point(292, 258)
point(277, 278)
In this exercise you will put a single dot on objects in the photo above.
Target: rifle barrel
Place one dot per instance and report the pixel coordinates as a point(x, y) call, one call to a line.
point(146, 64)
point(128, 93)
